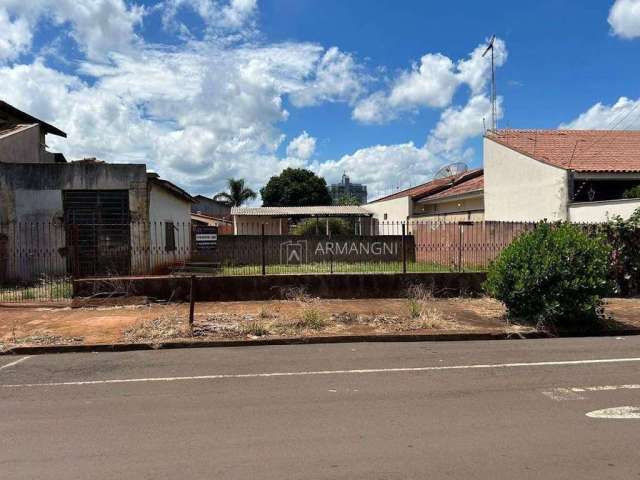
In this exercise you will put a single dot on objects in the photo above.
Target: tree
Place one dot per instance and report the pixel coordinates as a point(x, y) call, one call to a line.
point(238, 193)
point(295, 187)
point(347, 199)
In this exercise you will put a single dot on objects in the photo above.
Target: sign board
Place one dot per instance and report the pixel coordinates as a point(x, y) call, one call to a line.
point(206, 237)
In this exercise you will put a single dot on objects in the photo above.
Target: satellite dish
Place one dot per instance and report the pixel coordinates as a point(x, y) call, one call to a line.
point(450, 170)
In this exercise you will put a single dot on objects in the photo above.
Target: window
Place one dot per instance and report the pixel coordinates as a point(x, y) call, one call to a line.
point(170, 237)
point(385, 216)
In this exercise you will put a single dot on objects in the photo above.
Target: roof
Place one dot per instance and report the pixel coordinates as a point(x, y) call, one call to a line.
point(170, 187)
point(433, 186)
point(13, 129)
point(471, 185)
point(204, 216)
point(327, 211)
point(577, 150)
point(26, 118)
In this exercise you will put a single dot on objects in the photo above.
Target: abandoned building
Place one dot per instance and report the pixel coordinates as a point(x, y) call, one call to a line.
point(83, 217)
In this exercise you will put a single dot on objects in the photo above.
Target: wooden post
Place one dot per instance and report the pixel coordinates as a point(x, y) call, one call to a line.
point(262, 252)
point(192, 301)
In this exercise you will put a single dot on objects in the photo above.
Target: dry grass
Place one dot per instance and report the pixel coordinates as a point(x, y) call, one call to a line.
point(255, 328)
point(311, 319)
point(433, 319)
point(43, 338)
point(166, 327)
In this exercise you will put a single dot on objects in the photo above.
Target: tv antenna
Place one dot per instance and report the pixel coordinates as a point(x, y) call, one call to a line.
point(494, 120)
point(452, 169)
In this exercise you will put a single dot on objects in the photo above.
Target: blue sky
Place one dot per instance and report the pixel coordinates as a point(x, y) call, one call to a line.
point(388, 91)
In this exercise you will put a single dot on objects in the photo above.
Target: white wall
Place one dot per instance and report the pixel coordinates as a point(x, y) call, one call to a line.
point(396, 210)
point(597, 212)
point(519, 188)
point(252, 225)
point(166, 207)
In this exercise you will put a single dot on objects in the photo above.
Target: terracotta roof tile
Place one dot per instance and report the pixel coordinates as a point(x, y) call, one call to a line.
point(579, 150)
point(467, 186)
point(432, 186)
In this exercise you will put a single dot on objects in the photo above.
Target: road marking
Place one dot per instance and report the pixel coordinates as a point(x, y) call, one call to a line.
point(14, 363)
point(561, 394)
point(574, 393)
point(329, 372)
point(616, 413)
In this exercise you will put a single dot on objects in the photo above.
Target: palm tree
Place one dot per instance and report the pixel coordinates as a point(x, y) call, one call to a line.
point(238, 193)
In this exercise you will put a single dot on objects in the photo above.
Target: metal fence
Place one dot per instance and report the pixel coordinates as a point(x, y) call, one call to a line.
point(39, 259)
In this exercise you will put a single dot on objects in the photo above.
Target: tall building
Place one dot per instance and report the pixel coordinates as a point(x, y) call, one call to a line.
point(345, 188)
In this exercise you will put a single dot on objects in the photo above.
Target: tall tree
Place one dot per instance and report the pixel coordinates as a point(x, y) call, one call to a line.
point(295, 187)
point(238, 193)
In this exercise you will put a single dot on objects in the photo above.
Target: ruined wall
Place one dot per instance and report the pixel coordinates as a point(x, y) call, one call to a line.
point(31, 199)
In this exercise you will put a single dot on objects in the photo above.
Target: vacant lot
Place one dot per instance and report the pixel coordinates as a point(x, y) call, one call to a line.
point(283, 318)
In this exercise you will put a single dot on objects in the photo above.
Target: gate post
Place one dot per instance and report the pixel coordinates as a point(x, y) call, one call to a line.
point(404, 251)
point(262, 252)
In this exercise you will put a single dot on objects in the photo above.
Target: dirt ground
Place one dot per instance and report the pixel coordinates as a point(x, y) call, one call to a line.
point(228, 320)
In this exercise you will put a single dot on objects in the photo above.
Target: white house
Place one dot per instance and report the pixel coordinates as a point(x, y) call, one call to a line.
point(575, 175)
point(453, 198)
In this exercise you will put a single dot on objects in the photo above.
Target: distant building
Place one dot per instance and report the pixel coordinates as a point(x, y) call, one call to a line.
point(210, 207)
point(347, 189)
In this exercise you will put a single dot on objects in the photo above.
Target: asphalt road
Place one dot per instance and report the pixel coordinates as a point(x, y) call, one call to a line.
point(460, 410)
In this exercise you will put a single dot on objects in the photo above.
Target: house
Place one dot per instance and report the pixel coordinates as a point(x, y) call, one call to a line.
point(86, 217)
point(453, 198)
point(574, 175)
point(225, 226)
point(22, 137)
point(275, 220)
point(345, 188)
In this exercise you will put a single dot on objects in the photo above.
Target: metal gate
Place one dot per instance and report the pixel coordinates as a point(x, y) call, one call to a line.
point(98, 231)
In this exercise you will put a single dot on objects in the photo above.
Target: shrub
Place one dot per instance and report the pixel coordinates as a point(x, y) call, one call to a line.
point(624, 238)
point(555, 275)
point(336, 227)
point(633, 192)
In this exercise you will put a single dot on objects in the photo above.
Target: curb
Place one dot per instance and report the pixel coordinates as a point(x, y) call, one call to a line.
point(444, 337)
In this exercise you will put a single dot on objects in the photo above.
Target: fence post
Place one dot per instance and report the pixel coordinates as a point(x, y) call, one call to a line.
point(262, 252)
point(192, 301)
point(404, 251)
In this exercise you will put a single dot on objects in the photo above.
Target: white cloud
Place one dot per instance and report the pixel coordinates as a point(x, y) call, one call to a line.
point(623, 115)
point(98, 26)
point(15, 38)
point(302, 147)
point(226, 15)
point(459, 124)
point(383, 168)
point(430, 84)
point(624, 18)
point(335, 77)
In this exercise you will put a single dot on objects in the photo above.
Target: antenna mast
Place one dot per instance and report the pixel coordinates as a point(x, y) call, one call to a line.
point(494, 119)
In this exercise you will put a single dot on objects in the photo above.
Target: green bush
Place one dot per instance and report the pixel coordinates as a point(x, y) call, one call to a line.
point(554, 276)
point(336, 227)
point(633, 192)
point(624, 238)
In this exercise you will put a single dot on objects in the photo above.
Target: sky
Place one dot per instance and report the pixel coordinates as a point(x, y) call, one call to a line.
point(387, 91)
